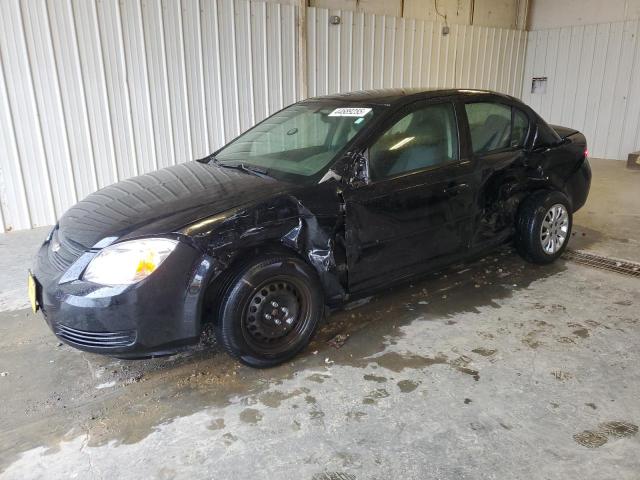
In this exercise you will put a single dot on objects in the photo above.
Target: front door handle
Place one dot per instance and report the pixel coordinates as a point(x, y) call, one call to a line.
point(455, 189)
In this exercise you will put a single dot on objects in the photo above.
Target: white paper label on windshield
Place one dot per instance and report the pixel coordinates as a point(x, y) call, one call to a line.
point(349, 112)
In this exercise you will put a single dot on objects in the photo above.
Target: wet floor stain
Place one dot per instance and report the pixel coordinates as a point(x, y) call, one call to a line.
point(619, 429)
point(333, 476)
point(582, 333)
point(531, 340)
point(275, 398)
point(374, 396)
point(355, 415)
point(566, 340)
point(251, 416)
point(605, 431)
point(407, 386)
point(217, 424)
point(561, 375)
point(397, 362)
point(485, 352)
point(374, 378)
point(461, 364)
point(318, 377)
point(229, 438)
point(624, 303)
point(315, 413)
point(590, 439)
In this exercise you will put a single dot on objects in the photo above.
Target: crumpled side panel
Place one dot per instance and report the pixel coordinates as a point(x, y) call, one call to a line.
point(305, 224)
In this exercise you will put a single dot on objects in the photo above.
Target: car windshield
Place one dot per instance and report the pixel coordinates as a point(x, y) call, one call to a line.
point(299, 141)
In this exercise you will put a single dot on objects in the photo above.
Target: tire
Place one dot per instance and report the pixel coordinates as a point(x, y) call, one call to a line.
point(543, 226)
point(269, 311)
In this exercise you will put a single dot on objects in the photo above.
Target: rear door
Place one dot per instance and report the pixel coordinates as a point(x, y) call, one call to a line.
point(414, 215)
point(497, 133)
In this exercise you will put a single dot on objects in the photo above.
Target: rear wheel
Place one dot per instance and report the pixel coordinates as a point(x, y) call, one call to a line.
point(544, 226)
point(270, 311)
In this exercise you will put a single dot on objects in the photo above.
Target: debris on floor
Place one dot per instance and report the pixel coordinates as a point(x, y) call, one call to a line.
point(339, 340)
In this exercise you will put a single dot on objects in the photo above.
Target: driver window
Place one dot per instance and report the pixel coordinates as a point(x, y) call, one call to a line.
point(423, 138)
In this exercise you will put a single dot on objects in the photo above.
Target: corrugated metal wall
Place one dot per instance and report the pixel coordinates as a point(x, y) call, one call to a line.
point(374, 51)
point(95, 91)
point(92, 92)
point(593, 83)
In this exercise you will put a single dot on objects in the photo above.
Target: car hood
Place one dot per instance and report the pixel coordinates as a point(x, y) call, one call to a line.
point(161, 202)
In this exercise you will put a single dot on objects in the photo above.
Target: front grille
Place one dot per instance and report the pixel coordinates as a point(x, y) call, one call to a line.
point(96, 339)
point(67, 251)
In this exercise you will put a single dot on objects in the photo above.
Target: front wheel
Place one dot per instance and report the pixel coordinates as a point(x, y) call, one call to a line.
point(544, 226)
point(270, 310)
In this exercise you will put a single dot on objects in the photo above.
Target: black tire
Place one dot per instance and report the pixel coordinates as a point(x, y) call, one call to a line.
point(533, 212)
point(248, 325)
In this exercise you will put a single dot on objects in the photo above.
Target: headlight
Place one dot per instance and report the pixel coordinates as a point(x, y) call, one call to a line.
point(128, 262)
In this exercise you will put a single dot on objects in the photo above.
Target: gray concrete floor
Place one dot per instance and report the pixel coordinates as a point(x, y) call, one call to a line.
point(498, 369)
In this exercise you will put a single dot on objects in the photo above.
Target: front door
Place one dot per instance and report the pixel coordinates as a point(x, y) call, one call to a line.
point(416, 212)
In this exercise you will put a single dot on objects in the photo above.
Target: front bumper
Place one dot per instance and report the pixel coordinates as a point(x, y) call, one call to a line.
point(156, 316)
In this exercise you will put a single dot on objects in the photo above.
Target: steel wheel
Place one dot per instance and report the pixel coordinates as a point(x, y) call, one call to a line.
point(555, 228)
point(278, 310)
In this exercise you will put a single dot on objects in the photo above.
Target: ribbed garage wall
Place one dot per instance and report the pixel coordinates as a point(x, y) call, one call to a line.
point(95, 91)
point(374, 51)
point(593, 83)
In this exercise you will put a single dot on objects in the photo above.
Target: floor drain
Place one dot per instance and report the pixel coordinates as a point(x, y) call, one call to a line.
point(605, 263)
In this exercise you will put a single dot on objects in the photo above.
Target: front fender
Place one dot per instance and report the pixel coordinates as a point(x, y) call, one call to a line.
point(302, 224)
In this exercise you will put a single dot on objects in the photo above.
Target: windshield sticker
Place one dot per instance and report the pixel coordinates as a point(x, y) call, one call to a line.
point(349, 112)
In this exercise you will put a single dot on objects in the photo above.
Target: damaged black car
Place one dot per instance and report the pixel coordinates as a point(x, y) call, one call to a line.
point(327, 200)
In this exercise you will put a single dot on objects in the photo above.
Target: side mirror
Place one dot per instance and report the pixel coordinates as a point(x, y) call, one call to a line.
point(359, 171)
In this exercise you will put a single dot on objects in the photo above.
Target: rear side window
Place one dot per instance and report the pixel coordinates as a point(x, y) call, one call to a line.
point(495, 126)
point(426, 137)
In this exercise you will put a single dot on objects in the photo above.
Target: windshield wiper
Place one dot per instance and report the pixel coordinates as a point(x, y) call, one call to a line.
point(250, 169)
point(258, 172)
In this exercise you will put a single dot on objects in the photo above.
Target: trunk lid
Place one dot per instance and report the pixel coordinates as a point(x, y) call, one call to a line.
point(564, 132)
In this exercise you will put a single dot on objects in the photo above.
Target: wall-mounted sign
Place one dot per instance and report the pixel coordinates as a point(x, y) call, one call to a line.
point(539, 85)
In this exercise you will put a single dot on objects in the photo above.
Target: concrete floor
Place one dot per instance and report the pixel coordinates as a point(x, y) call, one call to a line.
point(498, 369)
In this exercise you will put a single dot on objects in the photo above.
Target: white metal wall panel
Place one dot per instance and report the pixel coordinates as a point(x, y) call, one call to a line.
point(95, 91)
point(22, 118)
point(592, 84)
point(92, 67)
point(376, 51)
point(194, 79)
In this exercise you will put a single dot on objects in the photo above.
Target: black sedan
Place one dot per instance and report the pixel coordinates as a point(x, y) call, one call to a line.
point(329, 199)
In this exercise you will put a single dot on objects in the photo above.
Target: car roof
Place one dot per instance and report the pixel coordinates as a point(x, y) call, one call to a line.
point(400, 96)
